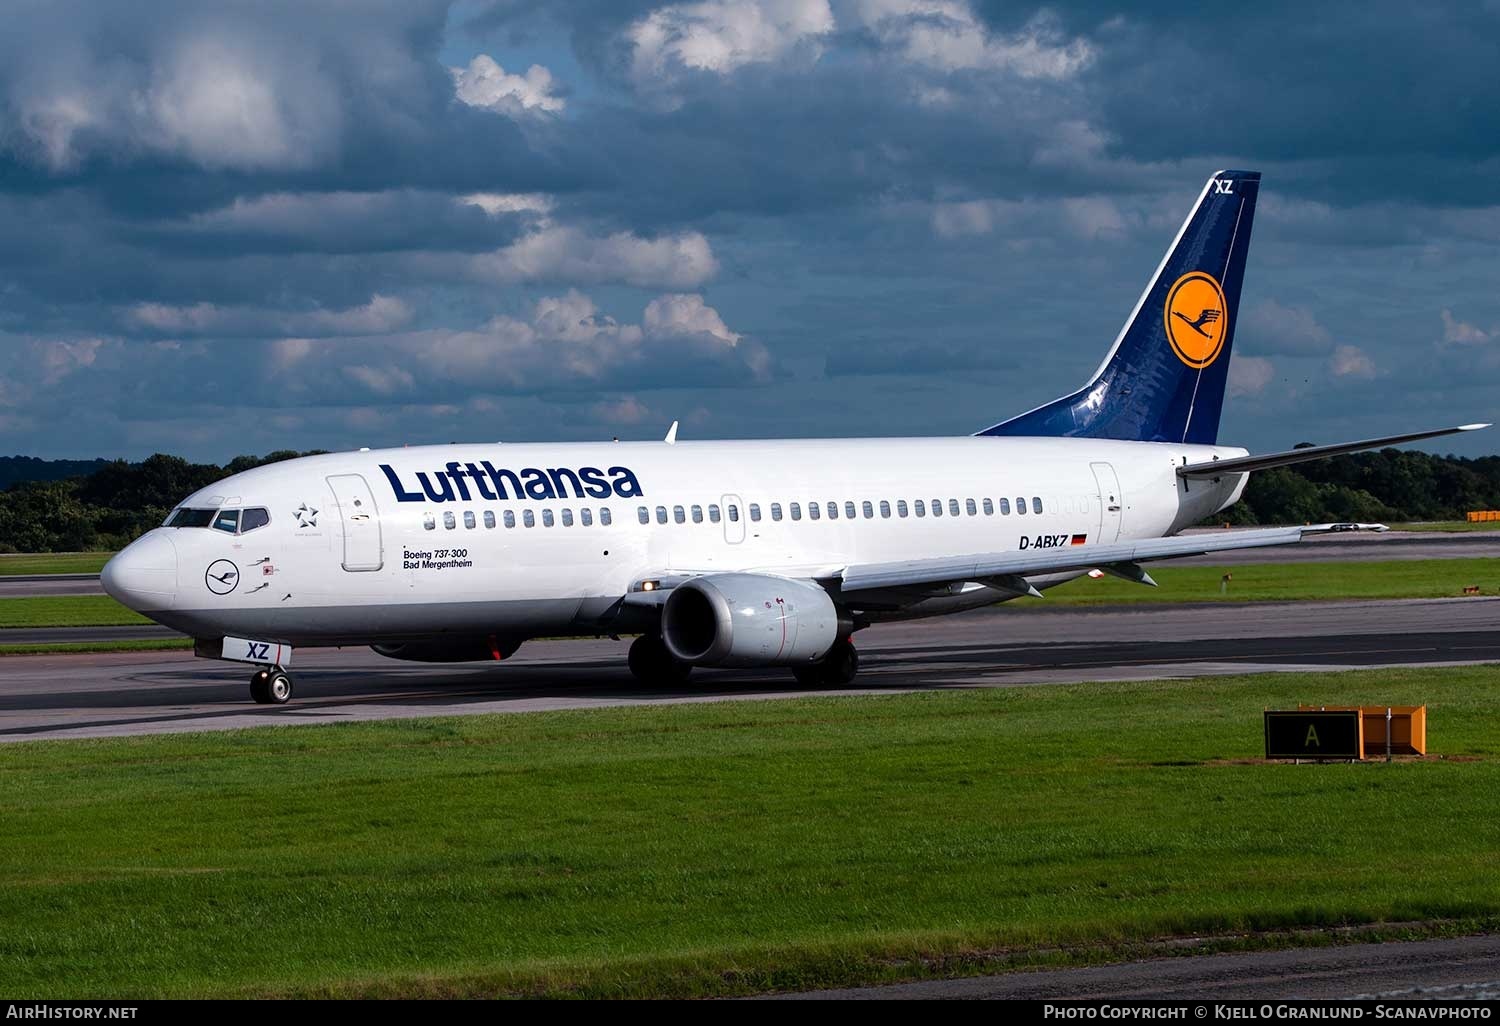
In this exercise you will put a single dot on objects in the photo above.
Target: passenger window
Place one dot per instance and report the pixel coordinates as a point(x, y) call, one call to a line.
point(679, 514)
point(713, 513)
point(775, 511)
point(546, 518)
point(489, 519)
point(1083, 504)
point(849, 510)
point(755, 512)
point(253, 518)
point(921, 508)
point(661, 514)
point(227, 521)
point(797, 511)
point(953, 507)
point(1021, 505)
point(429, 522)
point(528, 518)
point(734, 513)
point(449, 521)
point(901, 508)
point(970, 508)
point(586, 517)
point(1005, 507)
point(814, 511)
point(869, 510)
point(885, 509)
point(469, 522)
point(697, 514)
point(833, 511)
point(567, 518)
point(937, 507)
point(510, 518)
point(1036, 504)
point(605, 518)
point(643, 514)
point(989, 508)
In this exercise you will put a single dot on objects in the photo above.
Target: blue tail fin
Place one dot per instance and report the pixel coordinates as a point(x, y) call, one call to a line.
point(1163, 381)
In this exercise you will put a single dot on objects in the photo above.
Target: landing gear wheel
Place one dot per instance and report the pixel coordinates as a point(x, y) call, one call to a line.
point(260, 687)
point(837, 668)
point(653, 664)
point(271, 687)
point(841, 664)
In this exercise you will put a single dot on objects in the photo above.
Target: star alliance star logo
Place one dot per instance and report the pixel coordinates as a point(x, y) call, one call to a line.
point(306, 516)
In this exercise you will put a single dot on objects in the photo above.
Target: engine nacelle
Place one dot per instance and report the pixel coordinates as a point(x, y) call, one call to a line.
point(451, 650)
point(749, 620)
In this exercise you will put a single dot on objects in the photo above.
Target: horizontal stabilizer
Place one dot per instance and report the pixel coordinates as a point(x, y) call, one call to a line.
point(1245, 464)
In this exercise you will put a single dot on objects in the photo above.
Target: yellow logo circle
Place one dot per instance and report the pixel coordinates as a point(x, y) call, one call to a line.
point(1197, 319)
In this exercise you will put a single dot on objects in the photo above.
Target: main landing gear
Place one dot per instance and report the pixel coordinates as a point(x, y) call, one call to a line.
point(837, 668)
point(653, 664)
point(271, 686)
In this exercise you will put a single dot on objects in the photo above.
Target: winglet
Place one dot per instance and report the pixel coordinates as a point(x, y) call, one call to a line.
point(671, 438)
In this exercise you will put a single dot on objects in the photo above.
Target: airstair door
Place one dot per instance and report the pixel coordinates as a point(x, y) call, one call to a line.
point(360, 521)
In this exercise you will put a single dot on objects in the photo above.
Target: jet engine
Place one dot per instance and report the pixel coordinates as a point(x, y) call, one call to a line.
point(451, 650)
point(749, 620)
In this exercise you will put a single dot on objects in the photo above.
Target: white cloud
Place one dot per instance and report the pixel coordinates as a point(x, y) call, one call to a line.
point(1351, 362)
point(947, 36)
point(568, 254)
point(626, 410)
point(486, 84)
point(496, 203)
point(57, 359)
point(565, 342)
point(1249, 375)
point(722, 35)
point(1293, 331)
point(213, 98)
point(380, 315)
point(1462, 333)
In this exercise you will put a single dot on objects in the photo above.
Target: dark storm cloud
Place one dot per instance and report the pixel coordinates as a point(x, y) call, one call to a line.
point(295, 218)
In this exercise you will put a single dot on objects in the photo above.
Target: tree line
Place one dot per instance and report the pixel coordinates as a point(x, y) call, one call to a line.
point(109, 506)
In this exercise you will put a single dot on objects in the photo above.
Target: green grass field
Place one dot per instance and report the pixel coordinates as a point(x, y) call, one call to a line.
point(1449, 527)
point(65, 647)
point(66, 611)
point(731, 847)
point(53, 563)
point(1279, 582)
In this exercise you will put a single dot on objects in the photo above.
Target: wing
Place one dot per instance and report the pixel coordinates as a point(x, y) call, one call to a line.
point(1008, 570)
point(1005, 571)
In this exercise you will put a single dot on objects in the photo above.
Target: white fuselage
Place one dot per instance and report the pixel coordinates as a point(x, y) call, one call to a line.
point(355, 553)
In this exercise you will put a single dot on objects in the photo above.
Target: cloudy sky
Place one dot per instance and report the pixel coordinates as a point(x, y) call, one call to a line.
point(231, 228)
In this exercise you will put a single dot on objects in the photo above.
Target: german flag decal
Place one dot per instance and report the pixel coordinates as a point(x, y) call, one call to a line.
point(1079, 539)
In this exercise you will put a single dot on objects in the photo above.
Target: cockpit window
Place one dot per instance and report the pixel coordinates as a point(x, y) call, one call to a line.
point(193, 517)
point(230, 521)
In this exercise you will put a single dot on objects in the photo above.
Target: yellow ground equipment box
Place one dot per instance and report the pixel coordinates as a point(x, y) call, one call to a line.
point(1388, 729)
point(1480, 515)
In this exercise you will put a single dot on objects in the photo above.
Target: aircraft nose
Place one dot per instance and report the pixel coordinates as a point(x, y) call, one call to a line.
point(143, 575)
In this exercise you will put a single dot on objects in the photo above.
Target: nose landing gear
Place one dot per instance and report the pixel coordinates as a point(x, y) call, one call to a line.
point(271, 686)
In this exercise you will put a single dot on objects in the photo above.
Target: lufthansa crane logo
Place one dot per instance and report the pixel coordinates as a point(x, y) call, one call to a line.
point(222, 577)
point(1197, 319)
